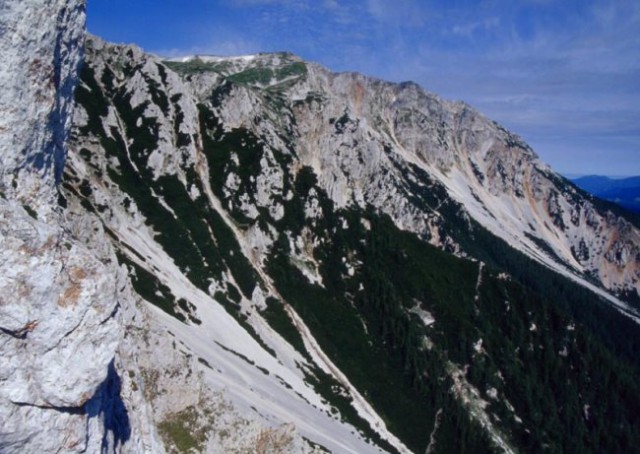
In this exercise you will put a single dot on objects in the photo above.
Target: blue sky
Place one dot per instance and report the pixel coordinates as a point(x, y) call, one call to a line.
point(563, 74)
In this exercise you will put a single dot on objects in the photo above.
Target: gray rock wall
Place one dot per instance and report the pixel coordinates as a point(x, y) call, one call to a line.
point(59, 296)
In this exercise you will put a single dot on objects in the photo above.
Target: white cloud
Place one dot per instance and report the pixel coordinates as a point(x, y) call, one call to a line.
point(398, 12)
point(470, 28)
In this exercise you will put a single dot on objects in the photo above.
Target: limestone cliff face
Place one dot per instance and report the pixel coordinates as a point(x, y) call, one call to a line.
point(41, 47)
point(60, 297)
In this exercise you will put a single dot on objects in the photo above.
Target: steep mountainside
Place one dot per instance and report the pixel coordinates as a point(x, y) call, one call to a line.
point(369, 142)
point(361, 261)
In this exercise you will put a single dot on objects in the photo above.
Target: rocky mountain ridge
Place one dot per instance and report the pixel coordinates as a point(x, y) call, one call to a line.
point(257, 254)
point(498, 179)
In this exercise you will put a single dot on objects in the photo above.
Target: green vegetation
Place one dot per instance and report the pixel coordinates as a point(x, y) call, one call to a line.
point(244, 358)
point(90, 96)
point(182, 139)
point(236, 152)
point(408, 383)
point(615, 331)
point(229, 249)
point(150, 288)
point(264, 75)
point(280, 321)
point(192, 66)
point(158, 95)
point(173, 233)
point(187, 236)
point(342, 122)
point(233, 309)
point(30, 211)
point(336, 395)
point(255, 75)
point(361, 322)
point(182, 432)
point(543, 359)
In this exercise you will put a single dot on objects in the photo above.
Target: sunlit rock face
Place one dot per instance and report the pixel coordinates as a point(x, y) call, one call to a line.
point(369, 141)
point(492, 173)
point(58, 297)
point(42, 48)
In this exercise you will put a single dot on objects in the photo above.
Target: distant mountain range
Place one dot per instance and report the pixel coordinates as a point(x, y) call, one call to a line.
point(623, 191)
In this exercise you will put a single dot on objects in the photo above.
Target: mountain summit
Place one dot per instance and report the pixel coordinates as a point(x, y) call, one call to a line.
point(284, 259)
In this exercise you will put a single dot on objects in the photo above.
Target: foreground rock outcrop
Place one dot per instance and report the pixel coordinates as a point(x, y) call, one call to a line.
point(58, 300)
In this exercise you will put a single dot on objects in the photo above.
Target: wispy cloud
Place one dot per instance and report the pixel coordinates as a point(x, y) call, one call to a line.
point(409, 13)
point(471, 28)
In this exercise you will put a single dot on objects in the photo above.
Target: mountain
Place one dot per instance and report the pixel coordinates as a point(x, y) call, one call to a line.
point(622, 191)
point(255, 254)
